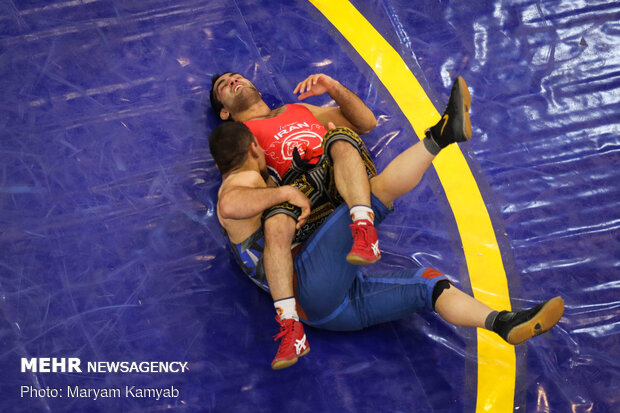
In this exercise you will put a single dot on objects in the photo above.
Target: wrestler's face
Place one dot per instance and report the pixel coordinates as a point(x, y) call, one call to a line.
point(236, 93)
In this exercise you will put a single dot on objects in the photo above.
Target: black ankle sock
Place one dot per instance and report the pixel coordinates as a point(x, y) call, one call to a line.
point(429, 143)
point(488, 323)
point(501, 321)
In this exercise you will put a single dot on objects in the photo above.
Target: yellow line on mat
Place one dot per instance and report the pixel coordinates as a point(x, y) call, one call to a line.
point(496, 359)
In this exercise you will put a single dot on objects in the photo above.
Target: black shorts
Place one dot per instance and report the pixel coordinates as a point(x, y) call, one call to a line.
point(317, 182)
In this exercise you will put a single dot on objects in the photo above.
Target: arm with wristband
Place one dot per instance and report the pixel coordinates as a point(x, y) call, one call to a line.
point(245, 195)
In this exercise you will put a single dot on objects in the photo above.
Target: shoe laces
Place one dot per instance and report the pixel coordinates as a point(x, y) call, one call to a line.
point(286, 330)
point(360, 232)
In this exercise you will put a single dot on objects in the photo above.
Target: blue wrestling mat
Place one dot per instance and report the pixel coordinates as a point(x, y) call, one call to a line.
point(111, 255)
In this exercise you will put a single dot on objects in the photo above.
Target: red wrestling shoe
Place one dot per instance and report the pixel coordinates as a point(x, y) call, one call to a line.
point(365, 244)
point(293, 345)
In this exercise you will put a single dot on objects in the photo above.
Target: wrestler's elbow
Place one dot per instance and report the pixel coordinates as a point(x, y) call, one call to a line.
point(225, 213)
point(369, 129)
point(372, 123)
point(367, 126)
point(228, 210)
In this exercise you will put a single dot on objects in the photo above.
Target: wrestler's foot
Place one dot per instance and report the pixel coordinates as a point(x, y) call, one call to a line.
point(365, 244)
point(454, 125)
point(293, 344)
point(517, 327)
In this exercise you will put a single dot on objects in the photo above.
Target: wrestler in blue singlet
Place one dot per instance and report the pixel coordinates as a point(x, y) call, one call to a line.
point(249, 256)
point(336, 295)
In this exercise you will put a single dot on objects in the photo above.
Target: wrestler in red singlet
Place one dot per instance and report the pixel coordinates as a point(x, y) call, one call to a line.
point(297, 127)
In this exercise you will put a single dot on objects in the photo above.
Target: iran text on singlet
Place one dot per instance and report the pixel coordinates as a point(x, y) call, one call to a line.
point(295, 127)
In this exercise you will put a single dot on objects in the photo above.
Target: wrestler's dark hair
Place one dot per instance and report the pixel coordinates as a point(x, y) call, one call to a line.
point(229, 144)
point(216, 105)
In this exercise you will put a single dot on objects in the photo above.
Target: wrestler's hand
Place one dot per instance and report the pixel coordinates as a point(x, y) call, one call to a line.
point(297, 198)
point(330, 126)
point(314, 85)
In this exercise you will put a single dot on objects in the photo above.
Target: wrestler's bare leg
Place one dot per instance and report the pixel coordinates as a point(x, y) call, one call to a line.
point(278, 261)
point(460, 309)
point(350, 174)
point(402, 174)
point(279, 231)
point(406, 170)
point(353, 185)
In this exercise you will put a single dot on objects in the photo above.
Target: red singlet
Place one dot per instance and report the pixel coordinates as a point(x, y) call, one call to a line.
point(278, 136)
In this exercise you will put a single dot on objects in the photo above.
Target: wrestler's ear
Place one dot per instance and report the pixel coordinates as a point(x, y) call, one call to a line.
point(257, 151)
point(224, 114)
point(254, 150)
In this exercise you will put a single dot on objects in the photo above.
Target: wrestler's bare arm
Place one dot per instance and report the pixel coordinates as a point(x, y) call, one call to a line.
point(245, 195)
point(351, 110)
point(238, 197)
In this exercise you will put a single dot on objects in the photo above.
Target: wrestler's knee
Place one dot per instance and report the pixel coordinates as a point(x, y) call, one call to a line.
point(344, 144)
point(341, 148)
point(279, 229)
point(381, 190)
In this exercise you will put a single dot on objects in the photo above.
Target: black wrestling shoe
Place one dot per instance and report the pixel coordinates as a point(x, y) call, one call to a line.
point(517, 327)
point(454, 125)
